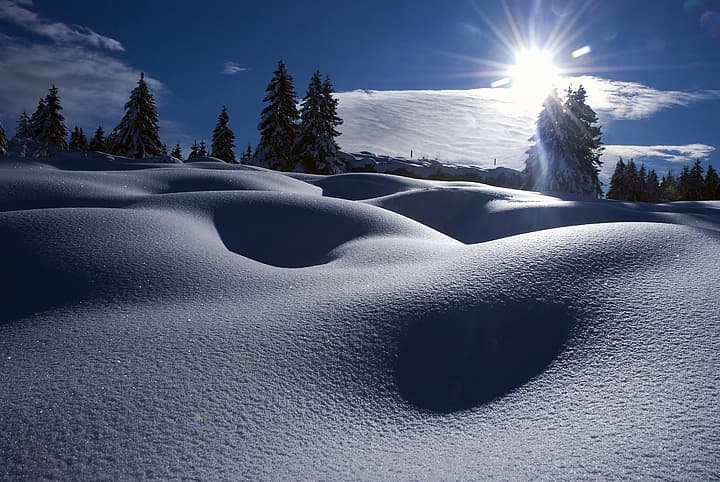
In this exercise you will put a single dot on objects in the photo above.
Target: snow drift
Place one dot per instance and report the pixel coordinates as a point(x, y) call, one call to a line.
point(211, 321)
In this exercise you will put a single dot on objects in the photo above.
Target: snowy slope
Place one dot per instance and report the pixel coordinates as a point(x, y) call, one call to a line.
point(224, 322)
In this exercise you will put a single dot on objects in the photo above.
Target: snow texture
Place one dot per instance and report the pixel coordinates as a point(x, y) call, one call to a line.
point(216, 321)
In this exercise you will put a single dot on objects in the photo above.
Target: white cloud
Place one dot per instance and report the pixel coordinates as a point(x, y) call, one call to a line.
point(479, 125)
point(15, 11)
point(232, 68)
point(614, 99)
point(660, 158)
point(93, 87)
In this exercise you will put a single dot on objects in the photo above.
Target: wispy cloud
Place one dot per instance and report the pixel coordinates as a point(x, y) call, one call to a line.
point(93, 86)
point(479, 125)
point(672, 154)
point(631, 100)
point(232, 68)
point(660, 158)
point(19, 13)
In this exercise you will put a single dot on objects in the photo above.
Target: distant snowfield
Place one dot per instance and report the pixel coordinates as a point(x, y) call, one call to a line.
point(220, 322)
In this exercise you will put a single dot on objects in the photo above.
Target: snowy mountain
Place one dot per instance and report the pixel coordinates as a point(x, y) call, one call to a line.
point(217, 321)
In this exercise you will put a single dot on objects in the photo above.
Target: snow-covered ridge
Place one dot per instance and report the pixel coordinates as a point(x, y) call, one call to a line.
point(206, 320)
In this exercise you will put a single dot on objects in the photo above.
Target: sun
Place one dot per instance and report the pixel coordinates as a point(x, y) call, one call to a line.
point(533, 74)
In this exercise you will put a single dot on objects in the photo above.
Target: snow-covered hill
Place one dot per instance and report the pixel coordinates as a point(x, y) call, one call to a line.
point(430, 169)
point(222, 322)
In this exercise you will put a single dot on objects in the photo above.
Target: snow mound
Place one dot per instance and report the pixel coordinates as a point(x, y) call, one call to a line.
point(183, 321)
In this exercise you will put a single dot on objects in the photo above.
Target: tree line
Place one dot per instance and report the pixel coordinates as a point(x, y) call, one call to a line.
point(289, 138)
point(564, 155)
point(628, 183)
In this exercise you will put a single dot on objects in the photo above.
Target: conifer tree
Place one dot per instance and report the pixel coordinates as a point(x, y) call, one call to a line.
point(565, 156)
point(223, 139)
point(53, 131)
point(202, 150)
point(98, 143)
point(696, 183)
point(278, 123)
point(137, 135)
point(24, 129)
point(164, 150)
point(177, 152)
point(37, 121)
point(618, 182)
point(247, 156)
point(315, 147)
point(669, 188)
point(194, 151)
point(652, 187)
point(78, 141)
point(712, 185)
point(3, 140)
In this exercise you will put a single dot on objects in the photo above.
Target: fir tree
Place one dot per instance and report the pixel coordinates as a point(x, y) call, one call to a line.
point(565, 155)
point(78, 141)
point(315, 147)
point(3, 140)
point(683, 185)
point(137, 135)
point(24, 129)
point(97, 143)
point(711, 189)
point(247, 156)
point(652, 187)
point(278, 123)
point(669, 188)
point(696, 183)
point(164, 151)
point(202, 150)
point(53, 131)
point(177, 152)
point(194, 151)
point(618, 182)
point(37, 121)
point(223, 139)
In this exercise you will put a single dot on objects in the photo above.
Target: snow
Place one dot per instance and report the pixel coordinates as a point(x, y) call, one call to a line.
point(218, 321)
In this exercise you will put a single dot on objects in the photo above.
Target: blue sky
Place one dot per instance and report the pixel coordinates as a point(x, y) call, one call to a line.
point(653, 72)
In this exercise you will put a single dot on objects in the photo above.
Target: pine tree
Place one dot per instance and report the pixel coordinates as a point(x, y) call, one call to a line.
point(652, 187)
point(37, 121)
point(3, 140)
point(223, 139)
point(194, 151)
point(164, 151)
point(669, 188)
point(683, 184)
point(78, 141)
point(315, 148)
point(202, 150)
point(618, 182)
point(565, 156)
point(278, 123)
point(247, 156)
point(137, 135)
point(98, 143)
point(634, 184)
point(53, 131)
point(696, 183)
point(586, 143)
point(24, 129)
point(712, 184)
point(177, 152)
